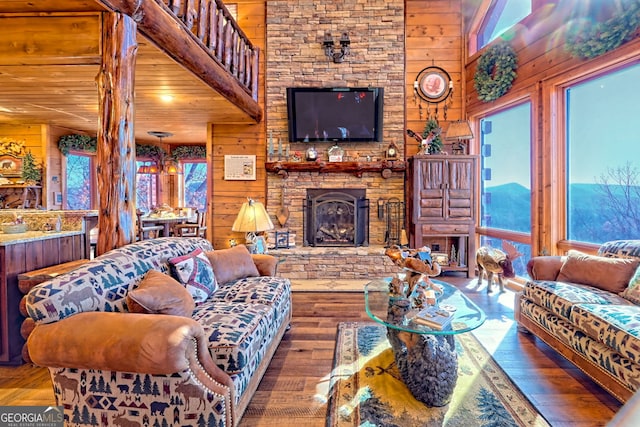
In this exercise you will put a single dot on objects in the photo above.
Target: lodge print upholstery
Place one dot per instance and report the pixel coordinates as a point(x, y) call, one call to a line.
point(599, 326)
point(100, 398)
point(221, 353)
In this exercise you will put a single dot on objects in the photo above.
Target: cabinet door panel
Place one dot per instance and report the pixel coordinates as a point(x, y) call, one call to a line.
point(430, 182)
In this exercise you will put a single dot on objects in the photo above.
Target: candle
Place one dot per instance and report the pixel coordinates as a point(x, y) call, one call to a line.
point(270, 142)
point(279, 148)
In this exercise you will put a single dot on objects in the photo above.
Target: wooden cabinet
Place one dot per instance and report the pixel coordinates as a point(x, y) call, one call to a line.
point(18, 256)
point(441, 207)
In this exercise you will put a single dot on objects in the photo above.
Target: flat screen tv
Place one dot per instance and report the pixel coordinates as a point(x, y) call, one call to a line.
point(335, 114)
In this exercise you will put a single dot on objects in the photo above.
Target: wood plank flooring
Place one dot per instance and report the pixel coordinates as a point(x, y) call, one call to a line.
point(300, 369)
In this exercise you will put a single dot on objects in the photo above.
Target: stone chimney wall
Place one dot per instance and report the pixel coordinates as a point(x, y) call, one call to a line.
point(295, 58)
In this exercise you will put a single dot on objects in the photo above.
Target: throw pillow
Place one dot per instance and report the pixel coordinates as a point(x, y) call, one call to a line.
point(610, 274)
point(232, 264)
point(159, 293)
point(194, 271)
point(632, 293)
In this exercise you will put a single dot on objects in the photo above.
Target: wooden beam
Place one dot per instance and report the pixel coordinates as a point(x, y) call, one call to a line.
point(170, 36)
point(116, 140)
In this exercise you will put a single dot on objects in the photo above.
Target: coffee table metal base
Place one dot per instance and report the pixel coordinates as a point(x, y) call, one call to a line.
point(428, 365)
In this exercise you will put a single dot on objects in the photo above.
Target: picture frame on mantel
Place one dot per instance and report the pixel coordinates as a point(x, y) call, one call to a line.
point(10, 165)
point(238, 167)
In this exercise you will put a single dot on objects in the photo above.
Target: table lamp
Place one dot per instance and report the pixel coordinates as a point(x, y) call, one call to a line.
point(252, 218)
point(460, 131)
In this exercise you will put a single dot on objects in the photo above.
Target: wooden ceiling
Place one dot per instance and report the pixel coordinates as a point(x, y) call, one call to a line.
point(48, 72)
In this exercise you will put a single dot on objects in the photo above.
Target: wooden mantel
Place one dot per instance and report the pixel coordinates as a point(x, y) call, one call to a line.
point(385, 167)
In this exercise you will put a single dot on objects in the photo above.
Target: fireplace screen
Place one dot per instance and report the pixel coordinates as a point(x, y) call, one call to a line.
point(336, 217)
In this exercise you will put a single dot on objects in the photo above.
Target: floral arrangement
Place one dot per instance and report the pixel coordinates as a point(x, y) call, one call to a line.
point(495, 72)
point(588, 41)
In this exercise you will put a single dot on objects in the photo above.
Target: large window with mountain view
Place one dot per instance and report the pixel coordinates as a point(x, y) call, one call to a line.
point(79, 182)
point(505, 181)
point(603, 148)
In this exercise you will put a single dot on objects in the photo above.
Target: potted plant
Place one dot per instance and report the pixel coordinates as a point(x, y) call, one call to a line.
point(31, 172)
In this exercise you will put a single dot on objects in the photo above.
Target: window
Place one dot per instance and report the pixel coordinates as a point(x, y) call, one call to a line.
point(603, 173)
point(505, 179)
point(502, 15)
point(195, 184)
point(80, 183)
point(146, 189)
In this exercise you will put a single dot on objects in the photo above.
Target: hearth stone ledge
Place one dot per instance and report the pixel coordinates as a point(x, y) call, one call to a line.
point(334, 262)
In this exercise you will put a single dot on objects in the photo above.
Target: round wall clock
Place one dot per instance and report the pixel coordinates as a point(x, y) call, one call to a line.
point(433, 84)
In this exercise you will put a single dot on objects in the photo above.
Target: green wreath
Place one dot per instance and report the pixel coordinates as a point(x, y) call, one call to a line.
point(495, 72)
point(589, 41)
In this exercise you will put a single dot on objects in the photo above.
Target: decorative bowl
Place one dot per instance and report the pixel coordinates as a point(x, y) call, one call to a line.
point(9, 228)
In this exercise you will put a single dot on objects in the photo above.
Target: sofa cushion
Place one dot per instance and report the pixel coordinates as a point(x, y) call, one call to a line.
point(632, 293)
point(232, 264)
point(159, 293)
point(194, 271)
point(560, 297)
point(611, 274)
point(616, 326)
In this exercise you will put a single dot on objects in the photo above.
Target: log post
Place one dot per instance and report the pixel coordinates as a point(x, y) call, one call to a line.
point(116, 140)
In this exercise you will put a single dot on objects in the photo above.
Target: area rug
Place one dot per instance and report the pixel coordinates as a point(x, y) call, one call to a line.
point(366, 389)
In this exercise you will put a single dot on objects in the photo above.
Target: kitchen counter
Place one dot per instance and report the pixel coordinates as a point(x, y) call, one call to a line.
point(32, 236)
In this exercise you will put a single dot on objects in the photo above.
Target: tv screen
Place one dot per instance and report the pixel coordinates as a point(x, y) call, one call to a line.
point(335, 114)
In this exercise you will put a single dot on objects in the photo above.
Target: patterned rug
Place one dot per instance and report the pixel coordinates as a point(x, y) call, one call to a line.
point(366, 389)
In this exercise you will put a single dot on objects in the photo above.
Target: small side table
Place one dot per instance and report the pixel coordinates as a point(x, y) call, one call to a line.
point(426, 358)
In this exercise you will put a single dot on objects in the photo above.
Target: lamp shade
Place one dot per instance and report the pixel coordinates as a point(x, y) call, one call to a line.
point(459, 130)
point(252, 218)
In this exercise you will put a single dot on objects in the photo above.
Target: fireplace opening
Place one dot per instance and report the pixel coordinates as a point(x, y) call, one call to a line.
point(336, 217)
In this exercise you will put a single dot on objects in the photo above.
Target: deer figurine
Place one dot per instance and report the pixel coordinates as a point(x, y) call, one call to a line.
point(491, 261)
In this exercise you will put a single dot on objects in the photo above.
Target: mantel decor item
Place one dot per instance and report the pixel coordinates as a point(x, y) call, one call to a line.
point(336, 153)
point(10, 165)
point(31, 172)
point(495, 72)
point(391, 152)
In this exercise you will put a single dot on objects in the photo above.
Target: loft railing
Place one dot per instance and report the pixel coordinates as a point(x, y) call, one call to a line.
point(211, 22)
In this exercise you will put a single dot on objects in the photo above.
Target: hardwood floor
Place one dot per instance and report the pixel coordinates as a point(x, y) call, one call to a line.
point(300, 369)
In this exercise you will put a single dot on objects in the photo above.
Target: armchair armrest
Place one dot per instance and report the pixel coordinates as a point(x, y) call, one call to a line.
point(545, 267)
point(124, 342)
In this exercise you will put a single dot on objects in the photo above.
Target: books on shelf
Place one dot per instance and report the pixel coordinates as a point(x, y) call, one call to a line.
point(434, 317)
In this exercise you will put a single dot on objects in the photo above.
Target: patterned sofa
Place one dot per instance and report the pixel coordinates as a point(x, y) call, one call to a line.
point(587, 308)
point(112, 366)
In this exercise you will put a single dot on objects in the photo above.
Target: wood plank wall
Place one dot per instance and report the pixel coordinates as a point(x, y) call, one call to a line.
point(433, 37)
point(226, 197)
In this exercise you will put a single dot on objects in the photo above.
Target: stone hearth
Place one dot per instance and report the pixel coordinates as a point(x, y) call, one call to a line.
point(334, 262)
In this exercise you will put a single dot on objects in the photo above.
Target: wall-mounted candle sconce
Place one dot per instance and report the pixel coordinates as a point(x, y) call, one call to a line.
point(331, 51)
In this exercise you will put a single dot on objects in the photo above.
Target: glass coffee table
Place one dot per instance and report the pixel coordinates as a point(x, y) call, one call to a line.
point(426, 357)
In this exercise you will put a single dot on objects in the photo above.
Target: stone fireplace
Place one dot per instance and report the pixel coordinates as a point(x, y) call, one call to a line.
point(336, 217)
